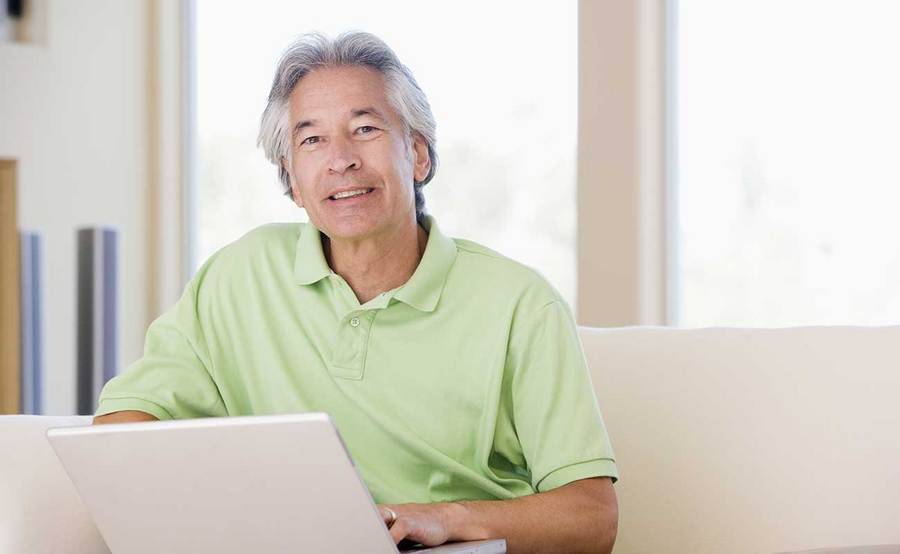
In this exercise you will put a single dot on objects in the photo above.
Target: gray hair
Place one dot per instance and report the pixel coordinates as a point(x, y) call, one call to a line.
point(314, 51)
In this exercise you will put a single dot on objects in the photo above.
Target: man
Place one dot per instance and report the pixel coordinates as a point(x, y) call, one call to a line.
point(454, 374)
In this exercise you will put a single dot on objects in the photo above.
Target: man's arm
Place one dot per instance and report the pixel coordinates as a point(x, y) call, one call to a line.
point(126, 416)
point(582, 516)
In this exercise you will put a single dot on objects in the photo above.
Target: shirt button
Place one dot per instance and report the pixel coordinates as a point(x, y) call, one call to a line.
point(354, 322)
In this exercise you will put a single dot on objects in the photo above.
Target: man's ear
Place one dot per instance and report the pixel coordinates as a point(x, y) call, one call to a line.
point(295, 190)
point(421, 159)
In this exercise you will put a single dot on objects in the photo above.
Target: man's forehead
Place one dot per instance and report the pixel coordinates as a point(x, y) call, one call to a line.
point(344, 92)
point(351, 113)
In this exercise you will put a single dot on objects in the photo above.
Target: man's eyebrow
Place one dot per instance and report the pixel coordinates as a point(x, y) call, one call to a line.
point(368, 111)
point(302, 124)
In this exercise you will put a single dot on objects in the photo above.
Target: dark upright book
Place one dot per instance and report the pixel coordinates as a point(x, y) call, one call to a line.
point(97, 313)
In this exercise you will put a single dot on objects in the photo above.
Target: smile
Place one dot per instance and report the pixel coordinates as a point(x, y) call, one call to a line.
point(350, 194)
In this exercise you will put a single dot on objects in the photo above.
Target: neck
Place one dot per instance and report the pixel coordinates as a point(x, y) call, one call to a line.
point(379, 263)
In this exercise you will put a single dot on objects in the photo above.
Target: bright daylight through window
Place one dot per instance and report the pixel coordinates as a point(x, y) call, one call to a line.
point(788, 129)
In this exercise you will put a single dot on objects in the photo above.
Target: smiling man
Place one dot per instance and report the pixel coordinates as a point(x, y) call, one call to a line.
point(455, 375)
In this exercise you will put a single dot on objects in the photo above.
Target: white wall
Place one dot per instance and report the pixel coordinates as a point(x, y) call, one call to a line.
point(73, 112)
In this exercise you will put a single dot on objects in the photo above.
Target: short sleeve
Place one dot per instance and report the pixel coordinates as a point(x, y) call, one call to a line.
point(555, 412)
point(172, 380)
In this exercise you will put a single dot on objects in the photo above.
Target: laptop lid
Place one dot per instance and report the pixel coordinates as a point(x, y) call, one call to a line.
point(282, 483)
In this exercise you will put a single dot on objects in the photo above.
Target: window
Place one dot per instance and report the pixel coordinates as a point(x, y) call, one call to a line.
point(503, 91)
point(787, 134)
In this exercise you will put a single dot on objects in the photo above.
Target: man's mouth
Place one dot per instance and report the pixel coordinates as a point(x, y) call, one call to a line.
point(349, 194)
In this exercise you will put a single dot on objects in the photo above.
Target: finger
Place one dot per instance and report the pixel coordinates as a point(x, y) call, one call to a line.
point(417, 533)
point(386, 514)
point(398, 531)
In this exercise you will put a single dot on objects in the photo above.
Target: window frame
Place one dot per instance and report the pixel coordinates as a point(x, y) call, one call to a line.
point(172, 151)
point(626, 247)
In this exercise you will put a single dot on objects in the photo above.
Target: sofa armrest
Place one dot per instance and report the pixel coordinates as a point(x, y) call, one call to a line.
point(40, 510)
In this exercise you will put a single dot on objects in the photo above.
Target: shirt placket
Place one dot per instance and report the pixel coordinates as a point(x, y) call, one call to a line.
point(348, 359)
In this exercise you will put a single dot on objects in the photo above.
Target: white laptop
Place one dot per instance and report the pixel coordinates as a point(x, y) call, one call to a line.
point(228, 485)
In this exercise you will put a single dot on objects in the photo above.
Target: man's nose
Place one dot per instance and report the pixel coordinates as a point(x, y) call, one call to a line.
point(343, 156)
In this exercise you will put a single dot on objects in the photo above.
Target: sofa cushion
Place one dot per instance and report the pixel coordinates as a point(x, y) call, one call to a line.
point(751, 440)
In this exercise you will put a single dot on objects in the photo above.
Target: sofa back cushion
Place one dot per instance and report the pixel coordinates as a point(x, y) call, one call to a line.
point(751, 440)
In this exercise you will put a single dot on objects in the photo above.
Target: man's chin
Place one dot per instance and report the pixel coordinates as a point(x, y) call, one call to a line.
point(352, 229)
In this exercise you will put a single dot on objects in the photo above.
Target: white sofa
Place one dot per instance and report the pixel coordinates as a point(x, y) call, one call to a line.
point(727, 440)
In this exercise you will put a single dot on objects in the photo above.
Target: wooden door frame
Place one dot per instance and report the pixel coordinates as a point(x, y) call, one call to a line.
point(10, 318)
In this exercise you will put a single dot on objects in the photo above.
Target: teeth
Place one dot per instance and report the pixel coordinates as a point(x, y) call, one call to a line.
point(349, 193)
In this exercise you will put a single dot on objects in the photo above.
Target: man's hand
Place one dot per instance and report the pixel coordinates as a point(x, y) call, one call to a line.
point(125, 416)
point(421, 523)
point(579, 517)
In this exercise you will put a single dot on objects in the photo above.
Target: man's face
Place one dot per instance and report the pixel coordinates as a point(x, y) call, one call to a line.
point(345, 139)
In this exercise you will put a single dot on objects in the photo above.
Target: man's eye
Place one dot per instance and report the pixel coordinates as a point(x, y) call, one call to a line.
point(310, 140)
point(365, 129)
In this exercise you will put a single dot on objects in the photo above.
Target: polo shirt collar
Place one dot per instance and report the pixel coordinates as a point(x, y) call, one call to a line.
point(422, 291)
point(310, 265)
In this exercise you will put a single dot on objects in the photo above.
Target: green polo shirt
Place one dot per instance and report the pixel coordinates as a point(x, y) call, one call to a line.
point(467, 382)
